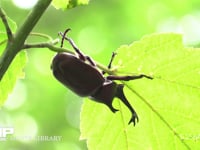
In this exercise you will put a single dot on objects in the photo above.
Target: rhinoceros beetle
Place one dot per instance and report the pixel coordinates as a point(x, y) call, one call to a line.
point(80, 74)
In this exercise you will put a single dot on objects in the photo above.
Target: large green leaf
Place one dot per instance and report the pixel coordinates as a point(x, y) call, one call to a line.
point(64, 4)
point(15, 69)
point(168, 106)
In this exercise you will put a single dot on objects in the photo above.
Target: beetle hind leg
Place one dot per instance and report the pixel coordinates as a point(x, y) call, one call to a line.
point(121, 96)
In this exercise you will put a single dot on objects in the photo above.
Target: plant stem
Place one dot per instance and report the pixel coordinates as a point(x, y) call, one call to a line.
point(49, 45)
point(5, 22)
point(41, 35)
point(14, 46)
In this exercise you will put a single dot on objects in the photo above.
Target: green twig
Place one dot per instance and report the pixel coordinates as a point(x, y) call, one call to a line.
point(5, 22)
point(19, 38)
point(41, 35)
point(49, 45)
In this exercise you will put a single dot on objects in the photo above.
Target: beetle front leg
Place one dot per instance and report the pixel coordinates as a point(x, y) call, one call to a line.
point(80, 54)
point(127, 78)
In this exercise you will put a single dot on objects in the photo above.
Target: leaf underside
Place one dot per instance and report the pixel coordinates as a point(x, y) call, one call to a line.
point(168, 106)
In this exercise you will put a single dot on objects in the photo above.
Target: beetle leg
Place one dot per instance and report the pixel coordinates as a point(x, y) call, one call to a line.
point(127, 78)
point(111, 60)
point(89, 59)
point(80, 54)
point(63, 36)
point(121, 96)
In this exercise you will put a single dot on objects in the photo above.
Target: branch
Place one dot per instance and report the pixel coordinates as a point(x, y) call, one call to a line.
point(5, 22)
point(17, 43)
point(49, 45)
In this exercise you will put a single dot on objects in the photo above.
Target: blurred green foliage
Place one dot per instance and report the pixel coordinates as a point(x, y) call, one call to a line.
point(39, 104)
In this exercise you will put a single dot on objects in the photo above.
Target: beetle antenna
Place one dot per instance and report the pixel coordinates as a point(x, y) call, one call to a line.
point(64, 36)
point(121, 96)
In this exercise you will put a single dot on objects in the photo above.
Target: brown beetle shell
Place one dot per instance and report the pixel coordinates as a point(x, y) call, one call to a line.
point(75, 74)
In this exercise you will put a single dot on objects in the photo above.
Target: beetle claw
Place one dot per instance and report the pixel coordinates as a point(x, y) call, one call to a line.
point(134, 118)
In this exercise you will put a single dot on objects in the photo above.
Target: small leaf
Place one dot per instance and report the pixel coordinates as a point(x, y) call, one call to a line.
point(167, 106)
point(64, 4)
point(15, 69)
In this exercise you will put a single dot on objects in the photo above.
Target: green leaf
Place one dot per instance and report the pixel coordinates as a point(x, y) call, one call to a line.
point(64, 4)
point(15, 69)
point(167, 106)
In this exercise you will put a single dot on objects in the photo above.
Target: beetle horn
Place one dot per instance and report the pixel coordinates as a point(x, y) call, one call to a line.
point(121, 96)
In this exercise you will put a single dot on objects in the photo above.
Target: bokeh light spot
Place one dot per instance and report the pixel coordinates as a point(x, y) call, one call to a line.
point(187, 25)
point(18, 96)
point(92, 41)
point(25, 126)
point(73, 109)
point(25, 4)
